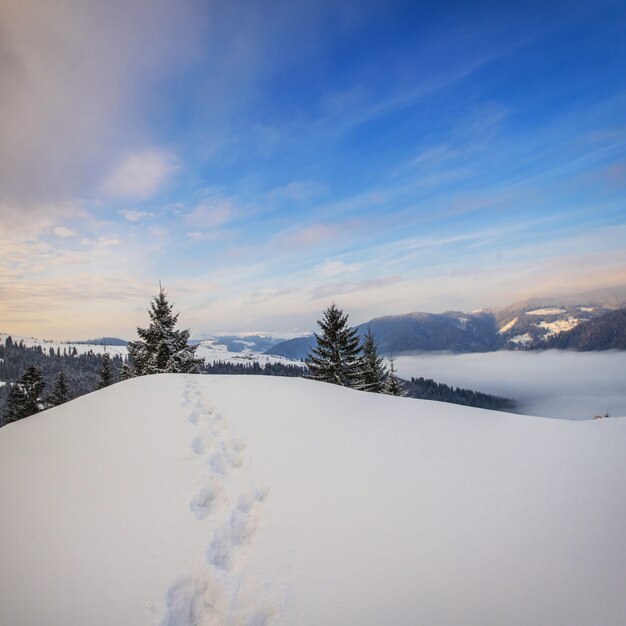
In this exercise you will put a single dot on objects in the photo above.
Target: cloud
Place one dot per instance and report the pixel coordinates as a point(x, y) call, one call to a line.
point(333, 289)
point(23, 222)
point(62, 231)
point(209, 215)
point(135, 216)
point(297, 191)
point(307, 236)
point(75, 80)
point(551, 383)
point(140, 175)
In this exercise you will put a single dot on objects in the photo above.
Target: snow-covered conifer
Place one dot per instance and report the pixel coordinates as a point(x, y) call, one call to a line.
point(372, 371)
point(160, 348)
point(60, 392)
point(125, 372)
point(24, 398)
point(335, 358)
point(105, 372)
point(394, 387)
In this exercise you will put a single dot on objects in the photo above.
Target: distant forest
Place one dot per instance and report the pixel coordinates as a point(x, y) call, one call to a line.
point(428, 389)
point(81, 371)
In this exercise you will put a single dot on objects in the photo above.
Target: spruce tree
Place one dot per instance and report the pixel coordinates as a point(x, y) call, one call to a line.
point(394, 387)
point(125, 372)
point(335, 358)
point(60, 392)
point(372, 371)
point(160, 347)
point(24, 398)
point(105, 372)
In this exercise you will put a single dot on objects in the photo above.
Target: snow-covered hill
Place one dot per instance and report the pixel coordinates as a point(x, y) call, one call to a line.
point(176, 499)
point(211, 350)
point(68, 346)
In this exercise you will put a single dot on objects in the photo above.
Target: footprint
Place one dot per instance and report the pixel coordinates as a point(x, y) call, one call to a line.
point(220, 462)
point(195, 600)
point(200, 443)
point(219, 552)
point(206, 501)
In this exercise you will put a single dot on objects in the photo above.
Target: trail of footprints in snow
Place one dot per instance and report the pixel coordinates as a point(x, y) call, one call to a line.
point(209, 596)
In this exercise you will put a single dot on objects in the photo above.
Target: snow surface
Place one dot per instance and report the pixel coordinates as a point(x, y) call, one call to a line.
point(212, 352)
point(546, 312)
point(509, 325)
point(208, 350)
point(81, 348)
point(559, 326)
point(522, 339)
point(549, 383)
point(174, 500)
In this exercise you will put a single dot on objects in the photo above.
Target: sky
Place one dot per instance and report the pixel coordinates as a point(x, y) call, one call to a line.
point(264, 159)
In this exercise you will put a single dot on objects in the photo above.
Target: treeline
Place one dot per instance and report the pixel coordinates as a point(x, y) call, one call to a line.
point(254, 367)
point(428, 389)
point(82, 371)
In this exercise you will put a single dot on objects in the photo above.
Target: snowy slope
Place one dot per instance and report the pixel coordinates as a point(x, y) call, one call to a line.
point(179, 499)
point(212, 351)
point(209, 350)
point(81, 348)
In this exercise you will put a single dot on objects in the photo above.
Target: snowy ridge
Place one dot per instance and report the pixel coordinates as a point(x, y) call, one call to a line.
point(172, 500)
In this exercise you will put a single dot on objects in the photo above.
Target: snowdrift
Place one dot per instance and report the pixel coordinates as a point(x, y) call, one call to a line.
point(177, 499)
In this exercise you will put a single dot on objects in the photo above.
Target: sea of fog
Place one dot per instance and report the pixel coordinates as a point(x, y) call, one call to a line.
point(553, 383)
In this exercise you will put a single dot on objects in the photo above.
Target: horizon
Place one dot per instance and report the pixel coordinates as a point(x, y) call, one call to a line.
point(263, 162)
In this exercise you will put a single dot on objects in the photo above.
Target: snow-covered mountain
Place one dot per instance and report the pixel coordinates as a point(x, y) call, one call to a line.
point(179, 499)
point(532, 323)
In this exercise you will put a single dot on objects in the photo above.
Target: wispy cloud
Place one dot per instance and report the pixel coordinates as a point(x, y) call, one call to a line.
point(140, 175)
point(136, 216)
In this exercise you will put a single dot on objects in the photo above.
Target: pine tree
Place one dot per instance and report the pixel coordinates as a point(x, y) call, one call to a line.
point(60, 392)
point(125, 372)
point(105, 372)
point(394, 386)
point(24, 398)
point(372, 371)
point(335, 358)
point(160, 347)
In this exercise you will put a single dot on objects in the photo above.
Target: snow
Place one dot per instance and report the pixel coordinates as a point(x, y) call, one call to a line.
point(212, 352)
point(208, 350)
point(550, 383)
point(559, 326)
point(509, 325)
point(81, 348)
point(522, 339)
point(177, 499)
point(546, 312)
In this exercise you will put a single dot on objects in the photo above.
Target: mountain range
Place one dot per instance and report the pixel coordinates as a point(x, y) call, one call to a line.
point(530, 324)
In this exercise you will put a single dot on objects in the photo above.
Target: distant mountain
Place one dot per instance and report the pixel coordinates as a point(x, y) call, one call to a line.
point(103, 341)
point(244, 342)
point(395, 334)
point(524, 325)
point(454, 331)
point(607, 332)
point(532, 323)
point(295, 349)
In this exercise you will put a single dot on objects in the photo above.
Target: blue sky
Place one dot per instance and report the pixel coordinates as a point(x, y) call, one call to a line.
point(265, 159)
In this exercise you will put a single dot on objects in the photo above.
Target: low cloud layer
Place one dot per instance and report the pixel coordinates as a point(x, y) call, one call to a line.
point(561, 384)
